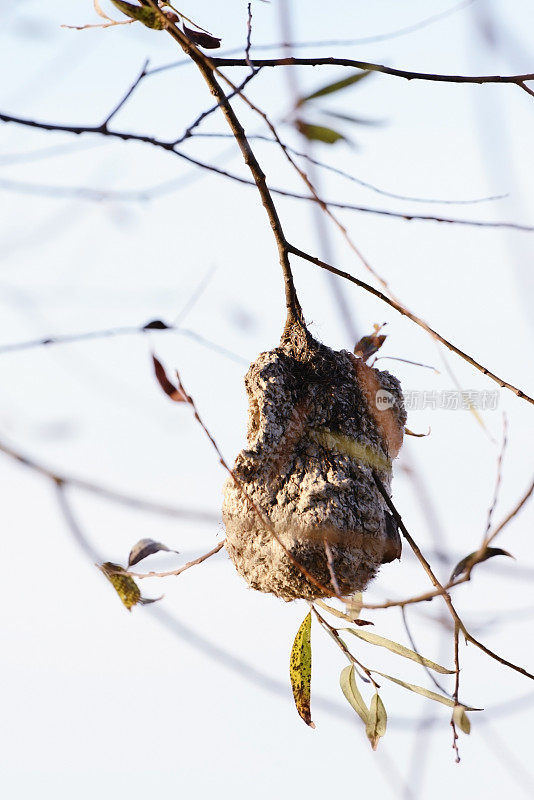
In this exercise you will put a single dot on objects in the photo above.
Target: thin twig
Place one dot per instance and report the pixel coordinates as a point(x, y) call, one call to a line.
point(418, 321)
point(456, 688)
point(179, 571)
point(442, 591)
point(127, 96)
point(518, 80)
point(169, 146)
point(498, 482)
point(342, 646)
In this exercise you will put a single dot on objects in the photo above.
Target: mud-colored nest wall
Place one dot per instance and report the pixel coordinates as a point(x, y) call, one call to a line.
point(320, 423)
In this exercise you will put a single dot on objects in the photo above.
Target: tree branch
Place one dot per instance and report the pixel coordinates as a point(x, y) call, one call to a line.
point(518, 80)
point(418, 321)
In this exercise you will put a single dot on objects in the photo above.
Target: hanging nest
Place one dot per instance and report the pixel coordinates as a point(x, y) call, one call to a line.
point(303, 502)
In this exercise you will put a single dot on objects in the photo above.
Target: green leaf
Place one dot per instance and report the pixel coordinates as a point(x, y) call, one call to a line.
point(300, 664)
point(476, 558)
point(148, 16)
point(347, 681)
point(124, 585)
point(439, 698)
point(399, 649)
point(319, 133)
point(337, 86)
point(377, 722)
point(460, 718)
point(350, 118)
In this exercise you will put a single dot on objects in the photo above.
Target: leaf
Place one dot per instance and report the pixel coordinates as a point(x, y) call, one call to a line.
point(319, 133)
point(145, 548)
point(148, 16)
point(408, 432)
point(347, 681)
point(125, 586)
point(377, 722)
point(349, 118)
point(439, 698)
point(475, 558)
point(202, 39)
point(156, 325)
point(337, 86)
point(300, 664)
point(399, 649)
point(460, 718)
point(353, 605)
point(176, 393)
point(369, 345)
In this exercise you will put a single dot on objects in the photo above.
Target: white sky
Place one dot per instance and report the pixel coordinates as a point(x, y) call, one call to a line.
point(192, 696)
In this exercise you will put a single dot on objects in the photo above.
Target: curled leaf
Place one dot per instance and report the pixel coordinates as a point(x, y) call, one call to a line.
point(476, 558)
point(176, 393)
point(300, 664)
point(144, 548)
point(408, 432)
point(145, 14)
point(336, 86)
point(202, 38)
point(399, 649)
point(377, 722)
point(347, 681)
point(369, 345)
point(461, 720)
point(156, 325)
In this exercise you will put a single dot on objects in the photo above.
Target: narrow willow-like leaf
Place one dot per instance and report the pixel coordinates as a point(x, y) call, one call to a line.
point(300, 664)
point(319, 133)
point(377, 722)
point(474, 558)
point(347, 681)
point(399, 649)
point(148, 16)
point(336, 86)
point(439, 698)
point(350, 118)
point(461, 719)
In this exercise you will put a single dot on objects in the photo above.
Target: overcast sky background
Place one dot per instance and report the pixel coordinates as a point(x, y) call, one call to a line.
point(192, 697)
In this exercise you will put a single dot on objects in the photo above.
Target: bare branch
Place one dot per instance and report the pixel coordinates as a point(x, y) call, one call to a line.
point(418, 321)
point(179, 571)
point(518, 80)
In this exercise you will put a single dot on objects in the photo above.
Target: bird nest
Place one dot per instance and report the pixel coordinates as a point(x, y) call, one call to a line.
point(303, 512)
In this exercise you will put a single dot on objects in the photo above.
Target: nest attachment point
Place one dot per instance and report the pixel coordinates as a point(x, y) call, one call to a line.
point(303, 500)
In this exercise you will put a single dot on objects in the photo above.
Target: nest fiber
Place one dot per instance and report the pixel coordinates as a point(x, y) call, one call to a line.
point(304, 500)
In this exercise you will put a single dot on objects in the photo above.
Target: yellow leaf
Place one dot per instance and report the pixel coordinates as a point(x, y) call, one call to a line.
point(461, 719)
point(347, 681)
point(124, 585)
point(377, 722)
point(300, 664)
